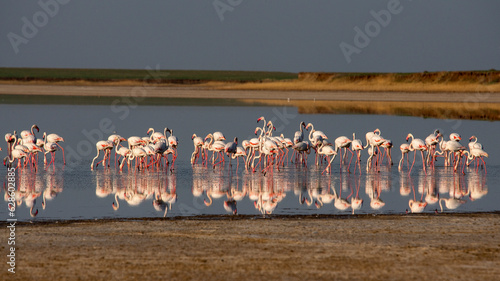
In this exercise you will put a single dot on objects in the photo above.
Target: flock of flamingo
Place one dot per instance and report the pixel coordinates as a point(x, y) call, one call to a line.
point(28, 146)
point(272, 151)
point(264, 152)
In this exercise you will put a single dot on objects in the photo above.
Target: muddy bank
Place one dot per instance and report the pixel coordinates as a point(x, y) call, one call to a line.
point(363, 247)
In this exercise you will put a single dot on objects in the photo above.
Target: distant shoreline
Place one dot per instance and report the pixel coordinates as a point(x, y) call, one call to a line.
point(444, 105)
point(448, 95)
point(421, 82)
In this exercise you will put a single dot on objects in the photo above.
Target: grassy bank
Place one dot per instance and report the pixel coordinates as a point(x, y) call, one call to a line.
point(444, 81)
point(141, 75)
point(455, 81)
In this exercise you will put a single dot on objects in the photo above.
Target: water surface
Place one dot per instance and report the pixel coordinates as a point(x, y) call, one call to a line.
point(73, 191)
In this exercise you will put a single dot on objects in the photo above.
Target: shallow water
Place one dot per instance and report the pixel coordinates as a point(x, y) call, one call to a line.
point(73, 191)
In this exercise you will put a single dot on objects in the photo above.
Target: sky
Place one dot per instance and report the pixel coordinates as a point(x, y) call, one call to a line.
point(261, 35)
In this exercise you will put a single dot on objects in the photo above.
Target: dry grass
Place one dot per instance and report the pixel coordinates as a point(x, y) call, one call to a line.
point(375, 85)
point(442, 110)
point(471, 81)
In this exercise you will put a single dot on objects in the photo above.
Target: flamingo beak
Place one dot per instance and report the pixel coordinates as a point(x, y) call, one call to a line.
point(258, 120)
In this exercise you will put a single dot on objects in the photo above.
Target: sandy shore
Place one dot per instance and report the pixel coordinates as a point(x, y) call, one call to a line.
point(363, 247)
point(150, 90)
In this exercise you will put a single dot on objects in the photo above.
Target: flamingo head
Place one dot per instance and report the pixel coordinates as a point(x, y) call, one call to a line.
point(193, 136)
point(473, 137)
point(149, 130)
point(377, 131)
point(260, 119)
point(408, 137)
point(36, 127)
point(308, 125)
point(256, 129)
point(122, 139)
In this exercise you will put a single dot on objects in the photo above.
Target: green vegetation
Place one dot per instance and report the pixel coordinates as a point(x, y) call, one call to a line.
point(55, 74)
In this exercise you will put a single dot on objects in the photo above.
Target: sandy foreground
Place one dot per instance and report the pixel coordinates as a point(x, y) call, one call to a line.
point(361, 247)
point(200, 92)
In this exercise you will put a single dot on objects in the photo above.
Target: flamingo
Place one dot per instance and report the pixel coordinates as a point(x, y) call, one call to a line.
point(15, 154)
point(29, 136)
point(116, 140)
point(172, 142)
point(55, 138)
point(370, 135)
point(218, 136)
point(240, 152)
point(135, 141)
point(302, 147)
point(417, 144)
point(198, 144)
point(124, 152)
point(431, 141)
point(455, 137)
point(476, 153)
point(315, 137)
point(329, 152)
point(230, 149)
point(299, 135)
point(10, 139)
point(215, 147)
point(387, 145)
point(345, 143)
point(357, 146)
point(374, 142)
point(405, 148)
point(474, 144)
point(155, 136)
point(105, 146)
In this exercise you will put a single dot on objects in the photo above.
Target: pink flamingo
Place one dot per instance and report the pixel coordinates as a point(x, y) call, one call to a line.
point(198, 144)
point(357, 146)
point(405, 148)
point(105, 146)
point(417, 144)
point(328, 151)
point(55, 138)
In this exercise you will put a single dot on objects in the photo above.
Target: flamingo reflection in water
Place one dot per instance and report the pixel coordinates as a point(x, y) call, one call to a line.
point(166, 195)
point(30, 188)
point(53, 186)
point(453, 184)
point(373, 189)
point(476, 186)
point(416, 206)
point(133, 188)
